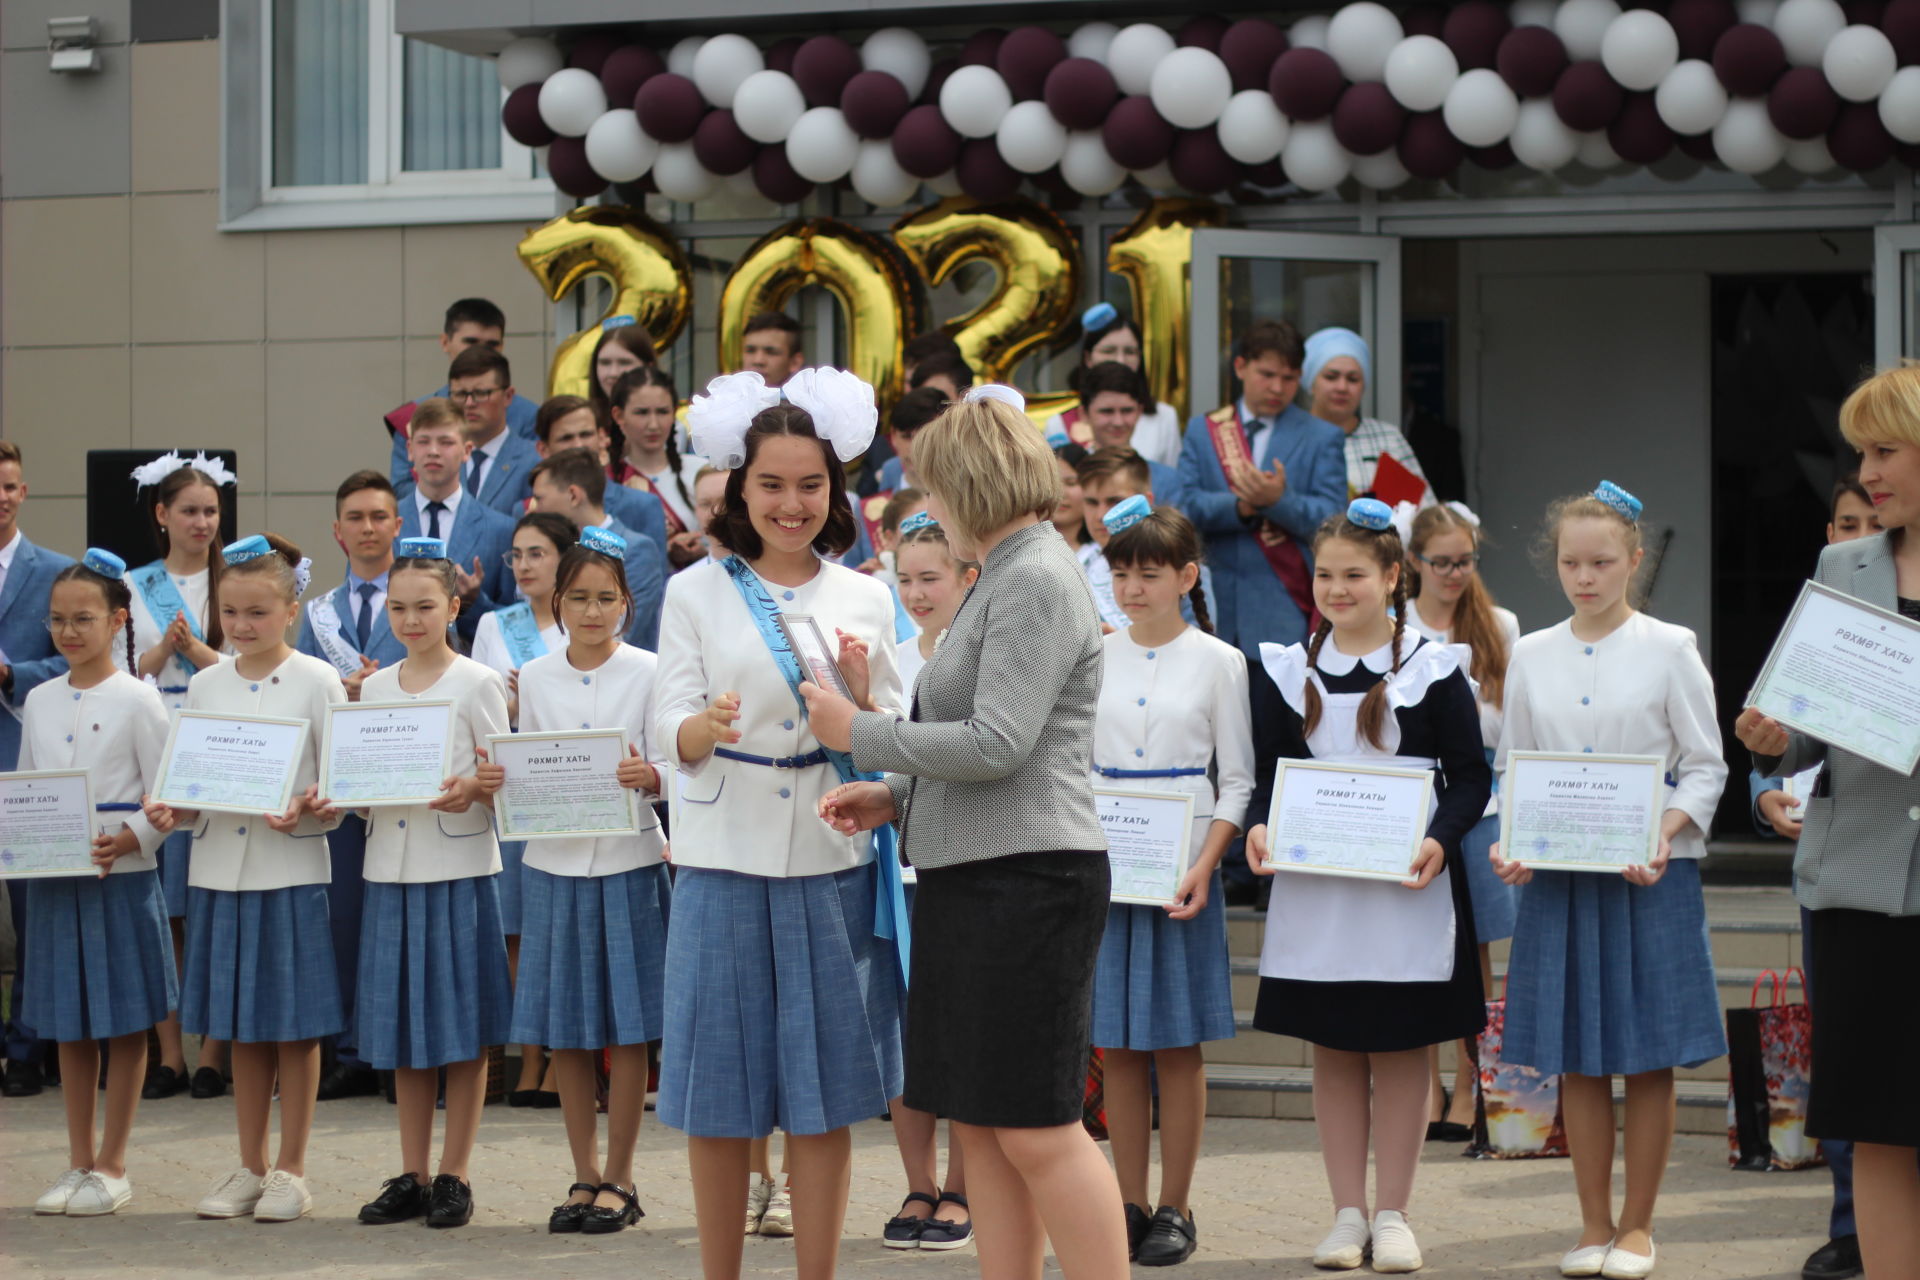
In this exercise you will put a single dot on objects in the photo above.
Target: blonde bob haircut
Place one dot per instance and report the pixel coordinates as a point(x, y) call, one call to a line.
point(1884, 409)
point(989, 465)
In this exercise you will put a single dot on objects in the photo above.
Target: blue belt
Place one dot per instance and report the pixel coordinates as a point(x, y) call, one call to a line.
point(816, 756)
point(1148, 773)
point(172, 688)
point(118, 806)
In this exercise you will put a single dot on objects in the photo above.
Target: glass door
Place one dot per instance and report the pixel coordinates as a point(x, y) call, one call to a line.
point(1896, 293)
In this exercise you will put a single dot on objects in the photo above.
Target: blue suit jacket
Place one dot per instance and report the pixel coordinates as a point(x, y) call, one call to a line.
point(509, 480)
point(384, 647)
point(23, 634)
point(640, 511)
point(891, 475)
point(520, 416)
point(477, 531)
point(1253, 606)
point(1169, 490)
point(647, 581)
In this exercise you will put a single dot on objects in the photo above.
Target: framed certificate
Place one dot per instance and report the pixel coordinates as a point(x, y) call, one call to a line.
point(230, 764)
point(1348, 820)
point(1847, 673)
point(562, 784)
point(809, 644)
point(46, 824)
point(374, 754)
point(1149, 842)
point(1575, 811)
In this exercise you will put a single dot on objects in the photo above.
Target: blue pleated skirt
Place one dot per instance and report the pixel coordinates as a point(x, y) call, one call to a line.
point(1495, 903)
point(593, 959)
point(260, 966)
point(175, 856)
point(433, 984)
point(1163, 983)
point(782, 1008)
point(512, 855)
point(1608, 978)
point(99, 956)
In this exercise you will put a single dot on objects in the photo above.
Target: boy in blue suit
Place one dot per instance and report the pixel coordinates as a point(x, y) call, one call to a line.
point(470, 322)
point(1113, 397)
point(568, 422)
point(572, 483)
point(478, 537)
point(480, 384)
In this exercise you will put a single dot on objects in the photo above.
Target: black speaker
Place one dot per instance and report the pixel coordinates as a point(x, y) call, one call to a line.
point(119, 513)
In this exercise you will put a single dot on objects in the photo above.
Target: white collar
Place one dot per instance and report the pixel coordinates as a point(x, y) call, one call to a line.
point(451, 502)
point(12, 549)
point(1333, 662)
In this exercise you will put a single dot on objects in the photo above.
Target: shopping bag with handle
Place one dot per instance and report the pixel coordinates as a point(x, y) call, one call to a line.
point(1516, 1110)
point(1769, 1052)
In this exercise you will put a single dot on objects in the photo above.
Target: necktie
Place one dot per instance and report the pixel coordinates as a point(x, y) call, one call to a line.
point(363, 624)
point(434, 511)
point(474, 464)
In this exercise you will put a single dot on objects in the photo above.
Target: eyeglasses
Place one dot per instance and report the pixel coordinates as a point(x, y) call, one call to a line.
point(532, 555)
point(1445, 567)
point(473, 397)
point(582, 604)
point(80, 623)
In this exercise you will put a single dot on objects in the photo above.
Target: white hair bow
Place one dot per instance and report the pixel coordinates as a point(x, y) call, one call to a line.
point(996, 391)
point(841, 406)
point(166, 464)
point(1465, 512)
point(1403, 514)
point(717, 422)
point(302, 576)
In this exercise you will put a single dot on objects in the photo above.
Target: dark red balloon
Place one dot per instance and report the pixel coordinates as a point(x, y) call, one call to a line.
point(1136, 136)
point(520, 115)
point(1638, 134)
point(591, 51)
point(873, 103)
point(1748, 59)
point(1200, 163)
point(937, 77)
point(567, 166)
point(775, 179)
point(1531, 60)
point(1202, 31)
point(1427, 149)
point(1475, 31)
point(1586, 97)
point(1025, 57)
point(1802, 104)
point(1901, 24)
point(1080, 92)
point(1908, 154)
point(780, 54)
point(1250, 48)
point(924, 144)
point(1306, 83)
point(1858, 140)
point(1864, 13)
point(669, 107)
point(720, 145)
point(1269, 176)
point(982, 48)
point(983, 173)
point(1699, 146)
point(1701, 23)
point(1496, 157)
point(626, 69)
point(1425, 20)
point(1367, 120)
point(822, 66)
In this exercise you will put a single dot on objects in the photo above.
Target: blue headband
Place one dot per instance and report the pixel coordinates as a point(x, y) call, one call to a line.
point(1329, 344)
point(422, 549)
point(618, 322)
point(1620, 500)
point(104, 563)
point(605, 541)
point(1098, 316)
point(1127, 514)
point(1370, 513)
point(250, 548)
point(916, 522)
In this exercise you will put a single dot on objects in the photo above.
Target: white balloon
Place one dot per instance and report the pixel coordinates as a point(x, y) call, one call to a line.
point(1313, 159)
point(1190, 88)
point(1532, 13)
point(823, 146)
point(974, 100)
point(878, 178)
point(1030, 139)
point(1810, 156)
point(722, 64)
point(1420, 72)
point(1382, 172)
point(571, 100)
point(945, 184)
point(1745, 139)
point(680, 57)
point(1087, 167)
point(1092, 41)
point(680, 175)
point(1158, 179)
point(1900, 105)
point(1252, 130)
point(1639, 49)
point(1360, 36)
point(1481, 108)
point(767, 104)
point(528, 60)
point(1309, 32)
point(1541, 140)
point(1691, 98)
point(1595, 152)
point(1758, 12)
point(1582, 26)
point(1805, 26)
point(618, 148)
point(1134, 52)
point(1858, 63)
point(900, 53)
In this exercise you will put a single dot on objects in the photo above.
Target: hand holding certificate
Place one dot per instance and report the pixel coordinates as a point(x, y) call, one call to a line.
point(384, 753)
point(563, 784)
point(1346, 820)
point(1565, 811)
point(1848, 674)
point(231, 764)
point(46, 824)
point(1149, 842)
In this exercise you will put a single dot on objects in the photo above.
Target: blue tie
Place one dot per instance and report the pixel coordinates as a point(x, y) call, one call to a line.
point(474, 464)
point(433, 518)
point(363, 624)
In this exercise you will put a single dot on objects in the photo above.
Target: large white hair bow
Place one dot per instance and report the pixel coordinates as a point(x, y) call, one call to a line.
point(717, 422)
point(166, 464)
point(1403, 514)
point(841, 406)
point(1465, 512)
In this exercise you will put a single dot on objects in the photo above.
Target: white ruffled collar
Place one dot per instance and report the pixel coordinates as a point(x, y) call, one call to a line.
point(1427, 663)
point(1334, 662)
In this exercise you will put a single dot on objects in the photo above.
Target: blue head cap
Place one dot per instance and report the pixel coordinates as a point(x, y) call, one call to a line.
point(618, 322)
point(422, 549)
point(916, 522)
point(1127, 514)
point(104, 563)
point(250, 548)
point(1370, 513)
point(1098, 316)
point(605, 541)
point(1620, 500)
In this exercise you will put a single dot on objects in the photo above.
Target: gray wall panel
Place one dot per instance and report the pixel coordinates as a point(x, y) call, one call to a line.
point(64, 135)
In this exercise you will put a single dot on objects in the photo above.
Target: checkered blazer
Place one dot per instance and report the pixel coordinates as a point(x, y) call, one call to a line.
point(997, 755)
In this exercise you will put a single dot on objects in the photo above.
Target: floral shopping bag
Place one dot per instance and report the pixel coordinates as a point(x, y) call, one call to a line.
point(1516, 1109)
point(1769, 1052)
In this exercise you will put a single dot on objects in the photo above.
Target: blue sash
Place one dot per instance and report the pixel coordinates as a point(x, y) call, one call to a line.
point(890, 918)
point(520, 630)
point(164, 603)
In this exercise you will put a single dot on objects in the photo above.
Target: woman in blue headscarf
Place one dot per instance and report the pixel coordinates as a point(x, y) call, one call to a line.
point(1338, 367)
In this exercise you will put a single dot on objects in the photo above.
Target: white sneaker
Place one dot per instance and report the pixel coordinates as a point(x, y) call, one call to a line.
point(778, 1220)
point(1585, 1260)
point(98, 1195)
point(759, 1192)
point(54, 1199)
point(1345, 1247)
point(283, 1198)
point(1394, 1248)
point(1621, 1265)
point(232, 1197)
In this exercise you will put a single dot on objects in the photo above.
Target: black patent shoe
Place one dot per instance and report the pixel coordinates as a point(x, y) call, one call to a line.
point(23, 1079)
point(1837, 1259)
point(601, 1221)
point(568, 1217)
point(449, 1202)
point(208, 1083)
point(162, 1082)
point(1171, 1239)
point(1138, 1220)
point(401, 1199)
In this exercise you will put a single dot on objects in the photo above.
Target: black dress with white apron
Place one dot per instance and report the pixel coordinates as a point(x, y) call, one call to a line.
point(1369, 966)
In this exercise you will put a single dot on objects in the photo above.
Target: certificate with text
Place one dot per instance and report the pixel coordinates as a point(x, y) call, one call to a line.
point(375, 754)
point(1348, 820)
point(1149, 842)
point(562, 784)
point(231, 764)
point(1848, 673)
point(46, 824)
point(1577, 811)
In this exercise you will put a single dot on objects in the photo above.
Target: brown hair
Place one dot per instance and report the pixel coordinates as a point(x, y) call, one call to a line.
point(578, 557)
point(552, 526)
point(1112, 376)
point(1167, 537)
point(636, 339)
point(479, 359)
point(896, 508)
point(1384, 546)
point(733, 528)
point(118, 594)
point(436, 411)
point(1276, 336)
point(438, 567)
point(649, 375)
point(278, 566)
point(1115, 460)
point(574, 468)
point(950, 365)
point(930, 534)
point(915, 410)
point(10, 452)
point(360, 482)
point(555, 408)
point(1473, 622)
point(1584, 506)
point(1847, 484)
point(165, 494)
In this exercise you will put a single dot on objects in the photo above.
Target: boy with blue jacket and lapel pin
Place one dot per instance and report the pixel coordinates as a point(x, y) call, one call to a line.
point(480, 384)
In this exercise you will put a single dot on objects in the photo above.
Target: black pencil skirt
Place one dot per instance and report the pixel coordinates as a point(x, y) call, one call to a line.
point(1866, 1039)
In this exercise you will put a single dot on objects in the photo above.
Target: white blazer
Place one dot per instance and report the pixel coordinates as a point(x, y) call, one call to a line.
point(233, 851)
point(117, 732)
point(556, 696)
point(413, 844)
point(731, 815)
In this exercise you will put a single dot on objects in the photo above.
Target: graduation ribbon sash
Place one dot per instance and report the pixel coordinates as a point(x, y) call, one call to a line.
point(520, 631)
point(164, 603)
point(328, 630)
point(1282, 552)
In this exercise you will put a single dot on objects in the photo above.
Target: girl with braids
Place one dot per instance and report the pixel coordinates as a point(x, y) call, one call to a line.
point(99, 964)
point(623, 347)
point(1173, 701)
point(1370, 972)
point(644, 403)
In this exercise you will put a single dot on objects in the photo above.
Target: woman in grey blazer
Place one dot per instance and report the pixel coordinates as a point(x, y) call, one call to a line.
point(1857, 866)
point(989, 784)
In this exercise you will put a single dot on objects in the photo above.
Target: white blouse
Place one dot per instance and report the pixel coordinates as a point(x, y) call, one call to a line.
point(729, 814)
point(117, 732)
point(1491, 717)
point(412, 844)
point(148, 631)
point(1179, 705)
point(556, 696)
point(911, 664)
point(1641, 691)
point(233, 851)
point(668, 492)
point(490, 649)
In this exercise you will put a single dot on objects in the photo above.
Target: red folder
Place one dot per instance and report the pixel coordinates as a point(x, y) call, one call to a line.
point(1394, 484)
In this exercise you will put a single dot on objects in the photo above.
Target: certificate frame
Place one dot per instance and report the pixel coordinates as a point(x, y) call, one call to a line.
point(1790, 708)
point(1300, 860)
point(1513, 789)
point(502, 747)
point(336, 710)
point(1172, 800)
point(809, 645)
point(29, 777)
point(164, 790)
